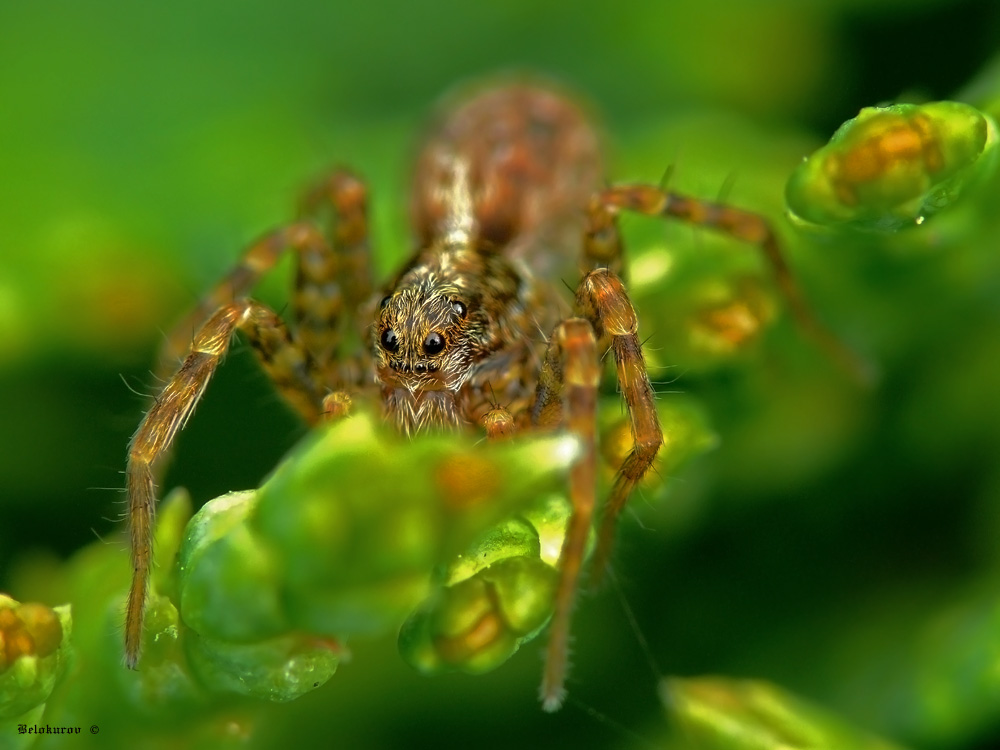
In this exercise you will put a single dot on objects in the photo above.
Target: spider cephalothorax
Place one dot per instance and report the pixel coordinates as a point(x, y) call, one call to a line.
point(475, 333)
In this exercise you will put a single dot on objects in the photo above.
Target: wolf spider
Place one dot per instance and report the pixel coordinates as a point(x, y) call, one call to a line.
point(506, 184)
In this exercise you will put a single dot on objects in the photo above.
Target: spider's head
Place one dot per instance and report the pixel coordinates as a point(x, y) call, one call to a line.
point(422, 339)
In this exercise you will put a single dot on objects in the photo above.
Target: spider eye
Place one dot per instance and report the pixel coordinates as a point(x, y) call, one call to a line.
point(389, 340)
point(384, 301)
point(459, 307)
point(434, 343)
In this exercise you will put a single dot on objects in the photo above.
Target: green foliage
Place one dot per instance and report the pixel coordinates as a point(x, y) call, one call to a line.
point(837, 541)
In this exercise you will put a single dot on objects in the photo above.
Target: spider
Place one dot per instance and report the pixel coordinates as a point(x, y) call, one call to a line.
point(507, 201)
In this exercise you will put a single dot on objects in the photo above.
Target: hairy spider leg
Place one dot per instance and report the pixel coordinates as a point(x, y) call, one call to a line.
point(570, 376)
point(340, 202)
point(602, 242)
point(332, 278)
point(258, 259)
point(603, 301)
point(287, 364)
point(567, 396)
point(741, 225)
point(316, 269)
point(304, 367)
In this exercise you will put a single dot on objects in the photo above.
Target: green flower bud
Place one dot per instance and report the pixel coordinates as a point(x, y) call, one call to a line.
point(279, 670)
point(494, 597)
point(228, 577)
point(34, 649)
point(360, 517)
point(894, 166)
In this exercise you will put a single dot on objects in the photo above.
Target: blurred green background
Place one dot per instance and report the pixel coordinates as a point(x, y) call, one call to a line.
point(142, 146)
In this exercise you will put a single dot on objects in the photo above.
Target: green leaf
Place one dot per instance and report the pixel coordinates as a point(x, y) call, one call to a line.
point(717, 713)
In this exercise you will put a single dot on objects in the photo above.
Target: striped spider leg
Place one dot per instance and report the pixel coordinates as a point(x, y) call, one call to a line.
point(567, 396)
point(302, 362)
point(739, 224)
point(570, 376)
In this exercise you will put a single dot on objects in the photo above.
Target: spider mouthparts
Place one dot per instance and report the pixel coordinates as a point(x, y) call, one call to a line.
point(420, 384)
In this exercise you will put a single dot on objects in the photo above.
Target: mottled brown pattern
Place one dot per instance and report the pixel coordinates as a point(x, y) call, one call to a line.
point(532, 159)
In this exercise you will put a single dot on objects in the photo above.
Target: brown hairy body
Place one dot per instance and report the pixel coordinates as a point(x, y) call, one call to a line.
point(506, 206)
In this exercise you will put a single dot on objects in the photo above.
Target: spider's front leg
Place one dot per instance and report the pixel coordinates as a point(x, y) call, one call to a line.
point(288, 365)
point(304, 367)
point(603, 245)
point(567, 395)
point(603, 301)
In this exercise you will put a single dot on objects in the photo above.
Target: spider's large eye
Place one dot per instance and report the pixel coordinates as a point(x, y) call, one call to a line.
point(389, 340)
point(434, 343)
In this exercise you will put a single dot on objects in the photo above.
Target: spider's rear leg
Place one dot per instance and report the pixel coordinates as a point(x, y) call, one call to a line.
point(287, 364)
point(738, 224)
point(567, 395)
point(339, 202)
point(332, 276)
point(260, 257)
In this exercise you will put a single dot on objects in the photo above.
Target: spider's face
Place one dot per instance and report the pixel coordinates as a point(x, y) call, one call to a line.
point(422, 339)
